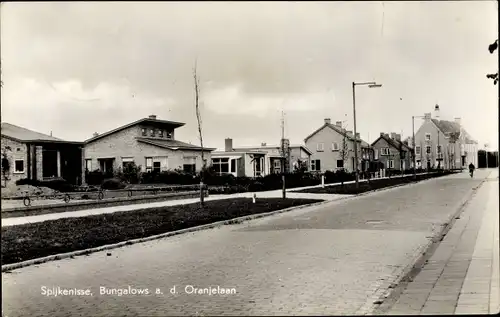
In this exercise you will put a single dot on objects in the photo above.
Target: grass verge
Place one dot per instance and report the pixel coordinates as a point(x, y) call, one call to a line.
point(350, 189)
point(36, 240)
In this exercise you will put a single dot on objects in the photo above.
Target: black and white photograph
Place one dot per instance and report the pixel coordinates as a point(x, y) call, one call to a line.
point(254, 158)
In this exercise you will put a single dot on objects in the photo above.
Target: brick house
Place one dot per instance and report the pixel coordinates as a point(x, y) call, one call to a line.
point(149, 143)
point(333, 149)
point(392, 152)
point(444, 143)
point(38, 156)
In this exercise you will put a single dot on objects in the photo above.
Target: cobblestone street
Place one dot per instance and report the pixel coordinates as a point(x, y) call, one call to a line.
point(331, 259)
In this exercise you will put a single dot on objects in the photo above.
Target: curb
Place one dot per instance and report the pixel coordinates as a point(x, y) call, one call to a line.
point(13, 266)
point(377, 304)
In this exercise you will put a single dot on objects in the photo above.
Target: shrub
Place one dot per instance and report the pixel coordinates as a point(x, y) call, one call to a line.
point(130, 173)
point(58, 184)
point(113, 183)
point(94, 178)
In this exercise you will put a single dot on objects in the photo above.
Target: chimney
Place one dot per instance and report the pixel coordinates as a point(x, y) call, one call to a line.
point(338, 124)
point(228, 145)
point(436, 111)
point(95, 134)
point(357, 136)
point(153, 116)
point(458, 120)
point(382, 134)
point(328, 121)
point(398, 137)
point(263, 144)
point(349, 133)
point(427, 116)
point(393, 135)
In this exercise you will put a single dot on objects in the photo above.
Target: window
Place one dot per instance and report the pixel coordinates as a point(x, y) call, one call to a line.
point(144, 132)
point(152, 132)
point(375, 154)
point(335, 146)
point(320, 147)
point(391, 163)
point(315, 165)
point(18, 149)
point(428, 149)
point(418, 150)
point(384, 151)
point(88, 165)
point(438, 149)
point(233, 166)
point(126, 162)
point(189, 168)
point(169, 134)
point(19, 166)
point(427, 137)
point(340, 163)
point(221, 165)
point(156, 167)
point(149, 164)
point(160, 133)
point(277, 164)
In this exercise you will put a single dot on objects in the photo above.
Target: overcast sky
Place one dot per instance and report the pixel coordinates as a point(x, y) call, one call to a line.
point(79, 68)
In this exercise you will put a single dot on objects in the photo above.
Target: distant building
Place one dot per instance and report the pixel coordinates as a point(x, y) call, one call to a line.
point(149, 143)
point(443, 143)
point(38, 156)
point(392, 152)
point(333, 149)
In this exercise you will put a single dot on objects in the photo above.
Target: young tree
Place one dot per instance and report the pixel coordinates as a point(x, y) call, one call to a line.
point(344, 153)
point(198, 117)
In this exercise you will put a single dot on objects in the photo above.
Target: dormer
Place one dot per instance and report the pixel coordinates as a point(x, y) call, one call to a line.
point(158, 129)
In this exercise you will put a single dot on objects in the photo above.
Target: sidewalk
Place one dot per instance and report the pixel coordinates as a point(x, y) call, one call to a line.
point(462, 276)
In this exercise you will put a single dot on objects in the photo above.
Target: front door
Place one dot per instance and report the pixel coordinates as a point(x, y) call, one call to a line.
point(428, 164)
point(49, 164)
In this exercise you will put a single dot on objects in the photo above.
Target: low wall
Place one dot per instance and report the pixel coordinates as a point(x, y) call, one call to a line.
point(107, 202)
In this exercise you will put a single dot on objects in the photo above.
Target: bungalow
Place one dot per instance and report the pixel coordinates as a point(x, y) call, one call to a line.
point(250, 163)
point(32, 155)
point(298, 156)
point(149, 143)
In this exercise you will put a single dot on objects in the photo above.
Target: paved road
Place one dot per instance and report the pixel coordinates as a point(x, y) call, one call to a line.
point(330, 259)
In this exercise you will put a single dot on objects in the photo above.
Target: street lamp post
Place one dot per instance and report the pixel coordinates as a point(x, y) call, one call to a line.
point(370, 84)
point(486, 151)
point(414, 145)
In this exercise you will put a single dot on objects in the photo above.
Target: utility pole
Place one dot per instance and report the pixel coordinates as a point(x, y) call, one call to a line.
point(283, 157)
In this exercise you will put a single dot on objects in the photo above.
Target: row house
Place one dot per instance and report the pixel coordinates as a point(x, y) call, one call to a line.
point(392, 152)
point(332, 149)
point(444, 144)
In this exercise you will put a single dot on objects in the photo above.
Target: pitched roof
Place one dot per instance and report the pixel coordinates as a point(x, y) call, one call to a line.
point(392, 142)
point(21, 134)
point(173, 144)
point(143, 120)
point(338, 130)
point(448, 127)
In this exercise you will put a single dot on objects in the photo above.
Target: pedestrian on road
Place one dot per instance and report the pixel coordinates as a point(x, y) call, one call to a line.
point(471, 169)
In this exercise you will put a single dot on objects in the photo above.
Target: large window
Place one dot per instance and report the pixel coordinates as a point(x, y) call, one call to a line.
point(156, 167)
point(220, 165)
point(19, 166)
point(152, 132)
point(169, 134)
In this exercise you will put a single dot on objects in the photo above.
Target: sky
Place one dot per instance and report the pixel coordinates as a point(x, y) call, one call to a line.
point(84, 67)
